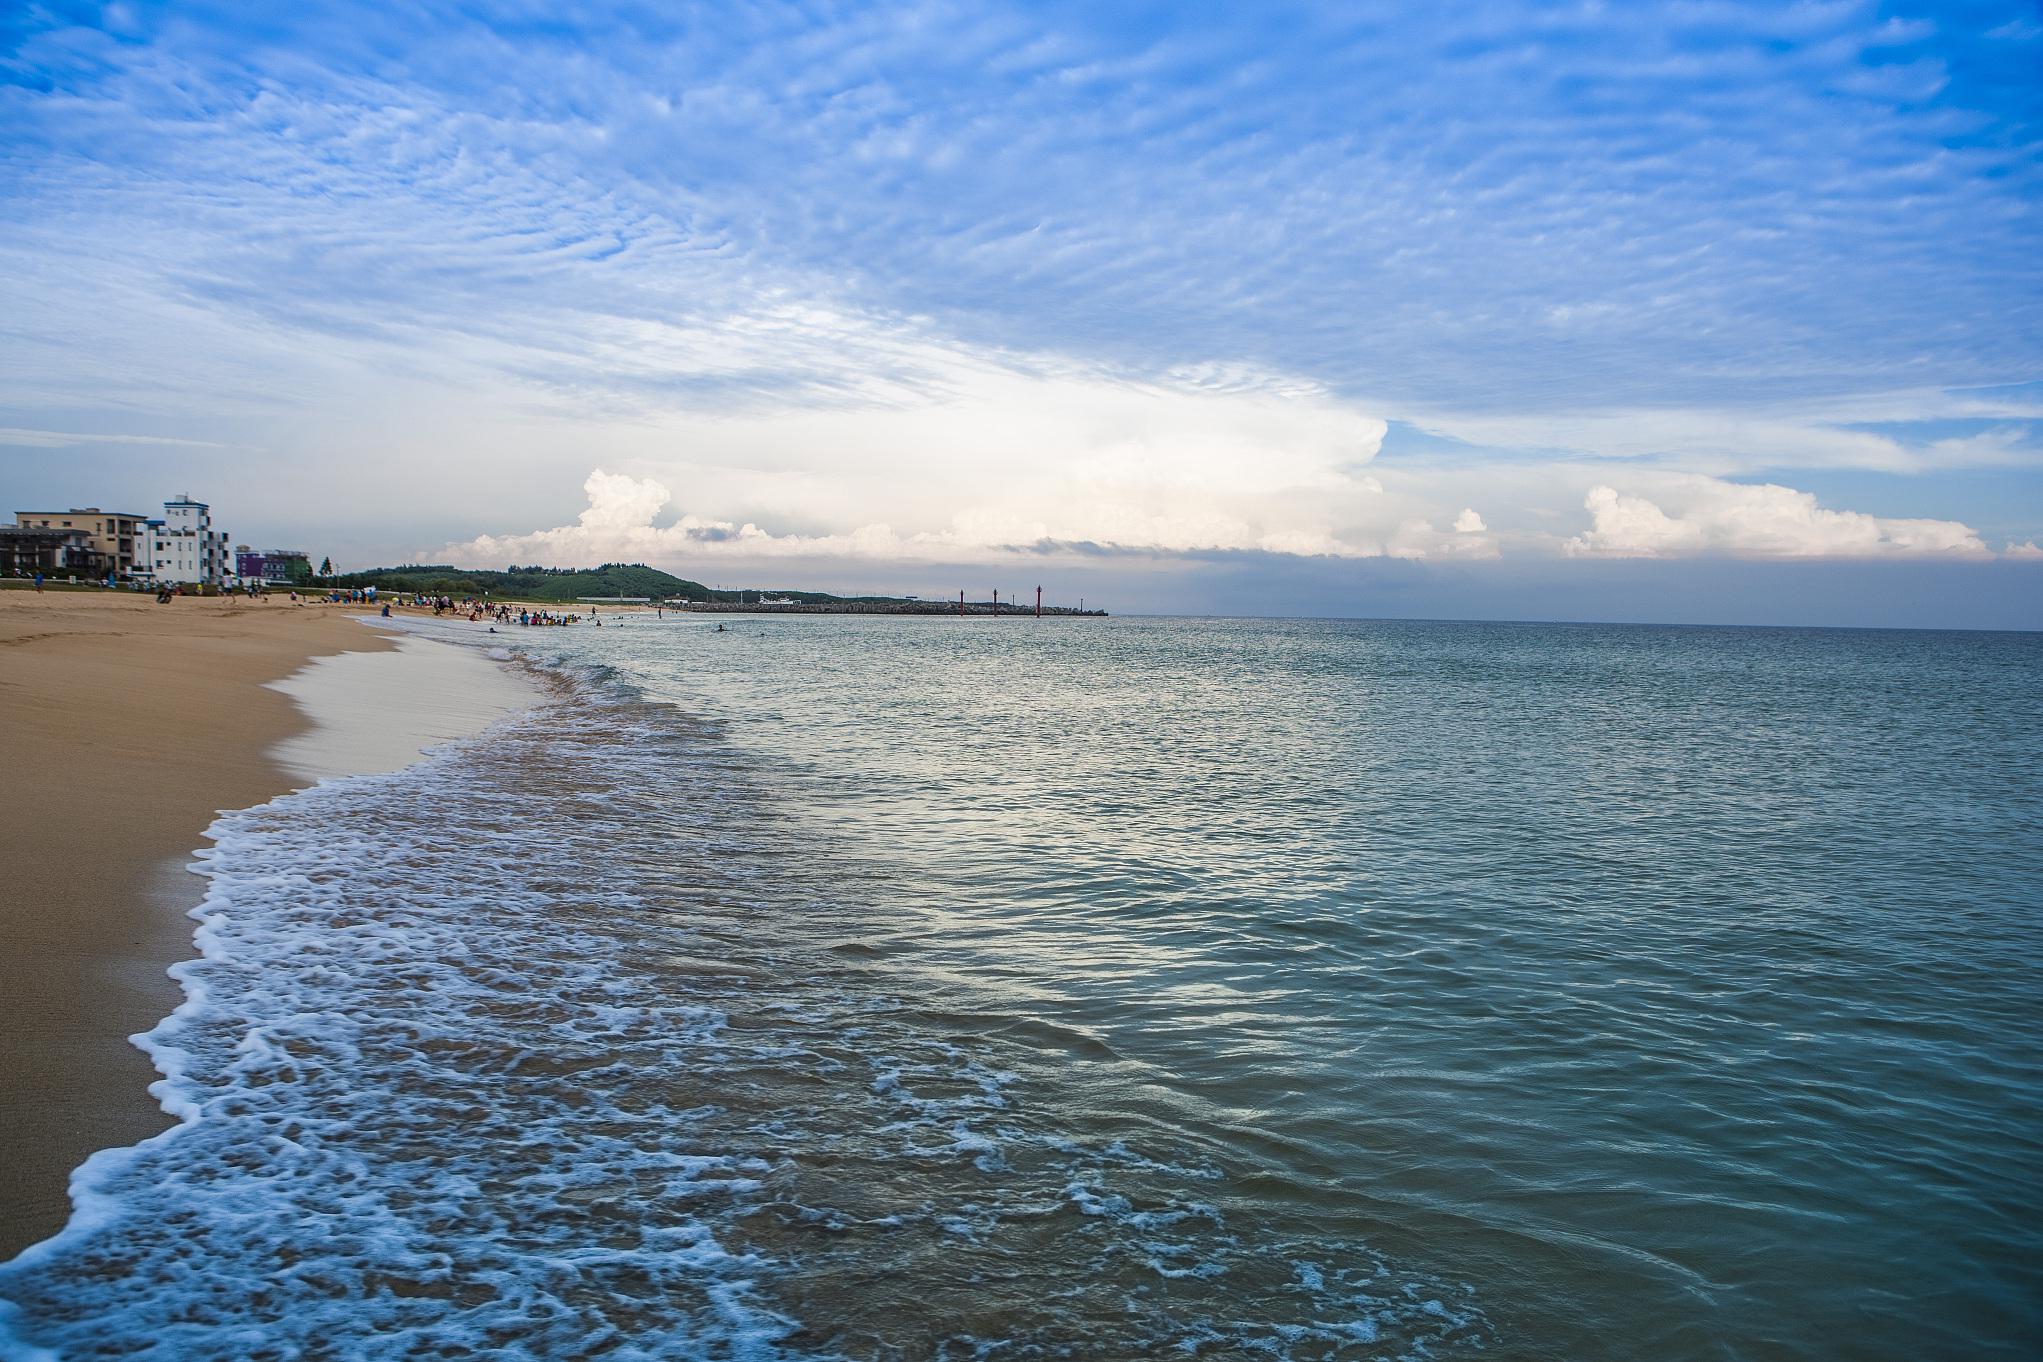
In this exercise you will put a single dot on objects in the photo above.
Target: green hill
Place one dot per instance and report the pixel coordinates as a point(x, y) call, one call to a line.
point(563, 584)
point(533, 583)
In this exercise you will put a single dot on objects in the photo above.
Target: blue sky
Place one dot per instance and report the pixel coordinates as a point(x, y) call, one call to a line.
point(1705, 310)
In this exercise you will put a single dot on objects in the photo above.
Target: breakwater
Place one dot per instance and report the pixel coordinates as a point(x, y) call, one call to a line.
point(879, 608)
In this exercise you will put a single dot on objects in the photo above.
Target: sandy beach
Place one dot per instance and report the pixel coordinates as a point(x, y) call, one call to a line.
point(129, 725)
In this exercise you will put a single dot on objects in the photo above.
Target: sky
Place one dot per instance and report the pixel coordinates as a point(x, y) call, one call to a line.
point(1695, 312)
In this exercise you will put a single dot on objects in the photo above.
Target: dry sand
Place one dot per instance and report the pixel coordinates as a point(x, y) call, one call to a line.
point(124, 727)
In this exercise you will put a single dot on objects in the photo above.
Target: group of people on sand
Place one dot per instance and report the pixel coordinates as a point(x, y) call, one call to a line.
point(479, 610)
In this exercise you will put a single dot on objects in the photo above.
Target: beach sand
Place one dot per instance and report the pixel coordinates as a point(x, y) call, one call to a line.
point(379, 711)
point(127, 726)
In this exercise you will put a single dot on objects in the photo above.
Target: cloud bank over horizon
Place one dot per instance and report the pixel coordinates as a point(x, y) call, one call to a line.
point(623, 523)
point(887, 284)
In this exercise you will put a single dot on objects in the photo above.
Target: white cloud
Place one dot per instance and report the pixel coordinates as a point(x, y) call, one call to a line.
point(1998, 447)
point(2027, 549)
point(1763, 521)
point(1418, 539)
point(865, 284)
point(1088, 502)
point(1000, 453)
point(1814, 434)
point(67, 439)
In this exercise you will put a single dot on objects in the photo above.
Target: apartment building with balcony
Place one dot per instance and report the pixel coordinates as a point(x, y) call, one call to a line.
point(183, 547)
point(117, 537)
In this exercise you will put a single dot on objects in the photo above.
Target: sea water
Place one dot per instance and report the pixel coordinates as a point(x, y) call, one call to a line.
point(890, 988)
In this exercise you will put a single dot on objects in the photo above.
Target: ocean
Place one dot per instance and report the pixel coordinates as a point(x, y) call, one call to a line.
point(876, 988)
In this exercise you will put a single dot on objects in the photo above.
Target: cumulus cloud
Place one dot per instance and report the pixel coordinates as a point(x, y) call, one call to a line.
point(1012, 454)
point(1097, 506)
point(1418, 539)
point(1088, 503)
point(619, 523)
point(2026, 549)
point(1762, 521)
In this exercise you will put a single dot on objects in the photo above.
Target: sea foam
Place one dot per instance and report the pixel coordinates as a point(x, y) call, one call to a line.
point(542, 1049)
point(407, 1115)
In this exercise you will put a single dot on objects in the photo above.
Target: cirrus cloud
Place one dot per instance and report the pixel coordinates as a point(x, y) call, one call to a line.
point(969, 281)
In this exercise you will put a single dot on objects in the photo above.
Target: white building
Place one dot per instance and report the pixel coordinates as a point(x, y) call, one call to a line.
point(184, 546)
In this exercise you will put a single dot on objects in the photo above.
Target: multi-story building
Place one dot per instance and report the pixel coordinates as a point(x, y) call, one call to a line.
point(184, 547)
point(24, 552)
point(117, 537)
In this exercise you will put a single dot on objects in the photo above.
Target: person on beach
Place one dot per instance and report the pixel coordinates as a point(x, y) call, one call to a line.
point(39, 576)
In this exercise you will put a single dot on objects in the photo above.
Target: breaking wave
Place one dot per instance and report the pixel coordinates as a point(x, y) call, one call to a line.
point(549, 1047)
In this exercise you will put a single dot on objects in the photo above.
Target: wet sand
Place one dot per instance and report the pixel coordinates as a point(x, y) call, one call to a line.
point(380, 711)
point(127, 727)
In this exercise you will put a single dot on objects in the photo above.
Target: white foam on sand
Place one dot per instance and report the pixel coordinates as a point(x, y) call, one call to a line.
point(381, 711)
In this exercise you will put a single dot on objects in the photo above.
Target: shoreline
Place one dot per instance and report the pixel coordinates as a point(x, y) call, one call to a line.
point(132, 726)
